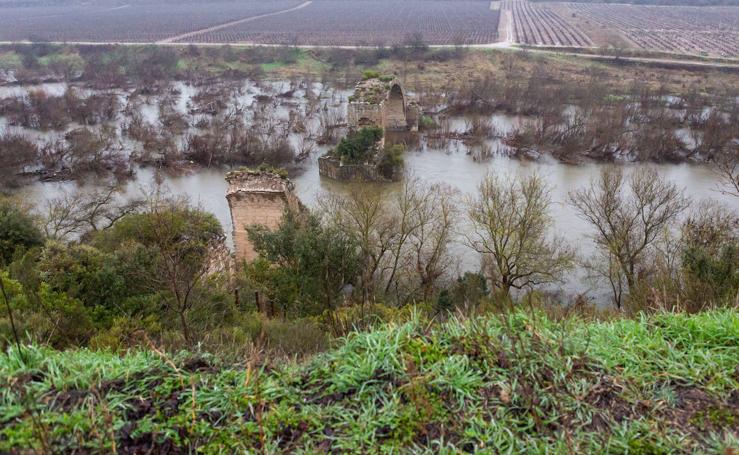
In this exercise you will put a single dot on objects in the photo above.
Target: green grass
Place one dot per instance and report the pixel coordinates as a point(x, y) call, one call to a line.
point(516, 384)
point(10, 61)
point(303, 62)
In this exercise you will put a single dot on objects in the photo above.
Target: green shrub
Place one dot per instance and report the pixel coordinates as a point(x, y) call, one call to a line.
point(18, 231)
point(427, 122)
point(303, 264)
point(358, 146)
point(392, 161)
point(370, 74)
point(86, 274)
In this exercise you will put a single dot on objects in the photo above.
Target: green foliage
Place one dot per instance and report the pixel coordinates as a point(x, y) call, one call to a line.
point(444, 301)
point(182, 223)
point(264, 167)
point(427, 122)
point(513, 383)
point(86, 274)
point(49, 316)
point(18, 232)
point(710, 258)
point(358, 146)
point(392, 161)
point(166, 250)
point(10, 61)
point(373, 74)
point(370, 74)
point(304, 265)
point(145, 274)
point(717, 275)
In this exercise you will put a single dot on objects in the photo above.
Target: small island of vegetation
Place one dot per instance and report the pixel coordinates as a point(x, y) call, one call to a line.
point(363, 156)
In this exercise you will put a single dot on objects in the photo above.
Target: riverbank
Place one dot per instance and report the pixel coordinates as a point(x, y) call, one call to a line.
point(521, 382)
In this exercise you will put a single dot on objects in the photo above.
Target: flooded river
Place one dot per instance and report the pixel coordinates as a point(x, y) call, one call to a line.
point(453, 166)
point(207, 189)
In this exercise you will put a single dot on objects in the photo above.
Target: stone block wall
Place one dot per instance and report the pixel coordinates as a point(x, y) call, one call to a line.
point(257, 198)
point(264, 209)
point(361, 113)
point(332, 168)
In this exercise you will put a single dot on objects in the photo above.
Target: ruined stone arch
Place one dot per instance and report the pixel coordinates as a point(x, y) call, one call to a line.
point(395, 117)
point(382, 103)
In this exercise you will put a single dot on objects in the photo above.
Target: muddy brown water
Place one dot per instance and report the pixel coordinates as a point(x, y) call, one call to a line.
point(206, 188)
point(452, 165)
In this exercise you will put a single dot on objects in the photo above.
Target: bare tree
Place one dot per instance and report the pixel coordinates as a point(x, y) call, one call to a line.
point(79, 212)
point(726, 166)
point(430, 242)
point(403, 237)
point(16, 152)
point(405, 207)
point(628, 215)
point(364, 214)
point(510, 227)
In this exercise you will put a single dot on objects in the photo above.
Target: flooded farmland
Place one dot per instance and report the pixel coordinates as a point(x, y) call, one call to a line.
point(453, 162)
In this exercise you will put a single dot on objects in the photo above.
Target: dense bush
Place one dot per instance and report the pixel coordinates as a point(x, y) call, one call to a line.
point(150, 267)
point(18, 231)
point(357, 147)
point(392, 161)
point(304, 265)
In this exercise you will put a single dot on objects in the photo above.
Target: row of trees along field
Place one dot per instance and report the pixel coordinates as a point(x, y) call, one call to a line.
point(88, 270)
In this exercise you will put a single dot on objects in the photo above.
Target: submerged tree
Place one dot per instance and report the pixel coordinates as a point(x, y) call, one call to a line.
point(628, 215)
point(510, 228)
point(726, 165)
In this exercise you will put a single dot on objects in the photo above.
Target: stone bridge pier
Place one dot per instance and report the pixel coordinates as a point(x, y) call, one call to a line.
point(257, 198)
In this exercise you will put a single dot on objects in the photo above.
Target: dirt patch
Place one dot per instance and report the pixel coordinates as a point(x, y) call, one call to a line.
point(697, 412)
point(429, 432)
point(326, 400)
point(144, 443)
point(154, 377)
point(199, 364)
point(68, 400)
point(290, 434)
point(606, 396)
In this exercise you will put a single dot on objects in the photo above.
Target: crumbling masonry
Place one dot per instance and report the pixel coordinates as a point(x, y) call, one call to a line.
point(383, 103)
point(257, 198)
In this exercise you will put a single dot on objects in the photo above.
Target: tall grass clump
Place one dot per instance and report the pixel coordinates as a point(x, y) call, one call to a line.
point(514, 383)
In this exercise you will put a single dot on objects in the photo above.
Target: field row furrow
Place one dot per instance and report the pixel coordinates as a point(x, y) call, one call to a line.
point(680, 29)
point(536, 23)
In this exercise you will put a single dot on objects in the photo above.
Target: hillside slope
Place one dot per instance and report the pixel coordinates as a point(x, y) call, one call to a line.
point(664, 384)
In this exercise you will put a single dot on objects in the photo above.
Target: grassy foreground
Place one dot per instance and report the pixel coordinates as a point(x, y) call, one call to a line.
point(661, 384)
